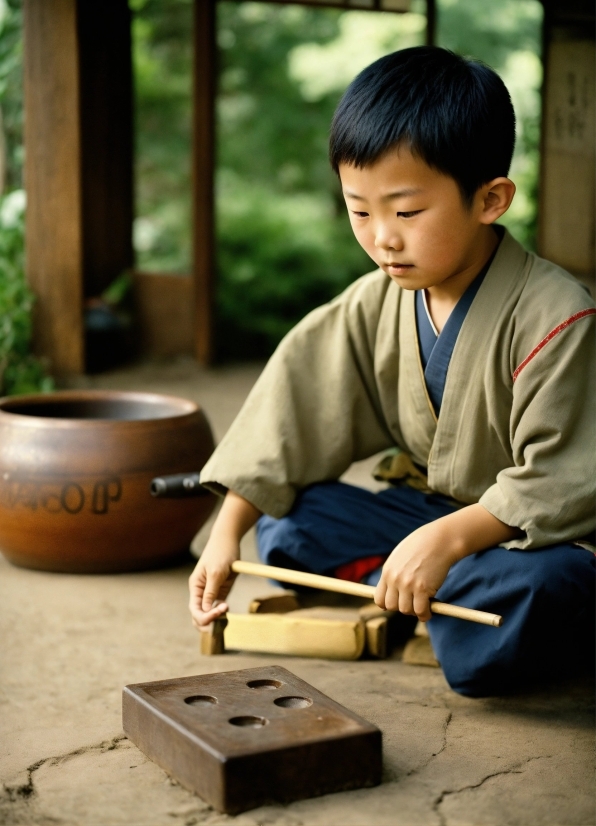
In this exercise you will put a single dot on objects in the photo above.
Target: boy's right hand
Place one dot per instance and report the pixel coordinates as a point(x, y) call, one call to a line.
point(212, 579)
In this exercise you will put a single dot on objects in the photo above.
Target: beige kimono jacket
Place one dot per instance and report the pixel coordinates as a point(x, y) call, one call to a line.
point(517, 420)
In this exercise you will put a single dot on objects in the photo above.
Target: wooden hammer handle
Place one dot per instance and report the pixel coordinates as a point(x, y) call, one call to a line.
point(356, 589)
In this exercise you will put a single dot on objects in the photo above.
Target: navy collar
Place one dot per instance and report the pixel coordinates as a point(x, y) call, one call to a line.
point(436, 351)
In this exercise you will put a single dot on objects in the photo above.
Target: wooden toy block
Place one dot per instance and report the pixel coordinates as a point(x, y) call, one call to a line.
point(377, 637)
point(372, 611)
point(298, 633)
point(279, 603)
point(322, 631)
point(378, 630)
point(240, 739)
point(419, 650)
point(375, 621)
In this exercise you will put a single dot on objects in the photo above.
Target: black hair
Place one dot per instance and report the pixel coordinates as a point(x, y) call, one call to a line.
point(453, 112)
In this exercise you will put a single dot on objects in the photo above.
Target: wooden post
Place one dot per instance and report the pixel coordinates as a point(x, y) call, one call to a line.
point(105, 64)
point(566, 205)
point(431, 22)
point(204, 75)
point(53, 180)
point(78, 164)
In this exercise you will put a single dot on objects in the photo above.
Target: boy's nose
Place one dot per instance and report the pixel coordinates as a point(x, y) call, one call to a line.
point(387, 239)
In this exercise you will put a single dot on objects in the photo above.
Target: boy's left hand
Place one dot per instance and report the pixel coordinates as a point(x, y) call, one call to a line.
point(418, 566)
point(415, 571)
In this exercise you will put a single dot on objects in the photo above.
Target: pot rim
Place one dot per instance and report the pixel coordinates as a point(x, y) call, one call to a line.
point(186, 408)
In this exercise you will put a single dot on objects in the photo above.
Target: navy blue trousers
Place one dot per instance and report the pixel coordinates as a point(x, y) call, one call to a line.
point(546, 596)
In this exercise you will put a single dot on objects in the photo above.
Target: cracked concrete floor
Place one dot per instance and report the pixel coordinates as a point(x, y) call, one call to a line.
point(69, 644)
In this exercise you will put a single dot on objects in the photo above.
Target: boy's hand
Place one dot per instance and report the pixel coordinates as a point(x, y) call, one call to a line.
point(414, 572)
point(212, 579)
point(418, 566)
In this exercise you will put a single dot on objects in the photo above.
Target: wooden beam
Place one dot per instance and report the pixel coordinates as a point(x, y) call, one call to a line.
point(164, 314)
point(431, 22)
point(53, 181)
point(204, 74)
point(398, 6)
point(78, 164)
point(106, 141)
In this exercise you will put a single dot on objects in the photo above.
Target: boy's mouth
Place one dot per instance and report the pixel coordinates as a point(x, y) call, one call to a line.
point(397, 268)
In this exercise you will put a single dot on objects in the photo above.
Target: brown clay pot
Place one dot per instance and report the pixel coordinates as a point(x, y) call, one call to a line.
point(75, 474)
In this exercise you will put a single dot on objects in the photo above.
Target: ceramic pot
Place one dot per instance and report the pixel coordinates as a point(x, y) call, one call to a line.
point(75, 474)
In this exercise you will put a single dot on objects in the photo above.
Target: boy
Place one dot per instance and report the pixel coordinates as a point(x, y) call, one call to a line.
point(470, 357)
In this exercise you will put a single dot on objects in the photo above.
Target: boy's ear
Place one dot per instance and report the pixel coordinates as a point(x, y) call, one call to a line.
point(495, 198)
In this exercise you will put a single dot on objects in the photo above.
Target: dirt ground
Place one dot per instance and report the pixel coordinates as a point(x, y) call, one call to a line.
point(70, 643)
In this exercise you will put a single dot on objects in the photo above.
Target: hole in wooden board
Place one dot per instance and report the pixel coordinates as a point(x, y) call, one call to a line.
point(201, 700)
point(264, 684)
point(293, 702)
point(248, 721)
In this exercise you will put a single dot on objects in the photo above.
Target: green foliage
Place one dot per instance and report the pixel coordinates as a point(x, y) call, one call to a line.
point(11, 95)
point(507, 36)
point(279, 257)
point(162, 60)
point(283, 239)
point(267, 130)
point(20, 372)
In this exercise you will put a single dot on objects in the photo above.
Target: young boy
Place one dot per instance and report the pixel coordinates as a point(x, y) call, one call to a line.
point(469, 357)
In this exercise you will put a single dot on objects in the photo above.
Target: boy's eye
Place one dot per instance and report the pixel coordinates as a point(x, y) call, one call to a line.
point(409, 214)
point(360, 214)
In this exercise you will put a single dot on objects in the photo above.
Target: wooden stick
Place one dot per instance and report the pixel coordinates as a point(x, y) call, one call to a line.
point(357, 589)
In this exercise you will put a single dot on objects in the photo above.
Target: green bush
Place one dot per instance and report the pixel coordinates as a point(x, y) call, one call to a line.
point(20, 372)
point(280, 255)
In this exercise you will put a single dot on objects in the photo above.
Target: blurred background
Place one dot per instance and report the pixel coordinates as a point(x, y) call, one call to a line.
point(283, 244)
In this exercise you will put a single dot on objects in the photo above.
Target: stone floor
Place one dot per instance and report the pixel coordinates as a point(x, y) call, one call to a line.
point(69, 644)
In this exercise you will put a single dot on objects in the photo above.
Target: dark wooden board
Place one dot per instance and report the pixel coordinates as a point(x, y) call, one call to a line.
point(240, 739)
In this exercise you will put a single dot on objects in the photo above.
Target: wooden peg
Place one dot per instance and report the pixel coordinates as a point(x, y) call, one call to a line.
point(377, 637)
point(419, 650)
point(379, 640)
point(212, 637)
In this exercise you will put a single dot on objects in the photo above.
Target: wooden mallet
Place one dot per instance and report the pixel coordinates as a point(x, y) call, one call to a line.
point(212, 637)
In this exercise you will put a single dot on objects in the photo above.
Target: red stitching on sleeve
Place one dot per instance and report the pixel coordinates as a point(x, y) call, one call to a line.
point(550, 336)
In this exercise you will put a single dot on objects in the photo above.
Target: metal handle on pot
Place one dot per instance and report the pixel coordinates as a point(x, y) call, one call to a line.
point(178, 486)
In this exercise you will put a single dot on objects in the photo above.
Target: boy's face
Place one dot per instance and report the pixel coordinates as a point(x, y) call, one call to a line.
point(413, 223)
